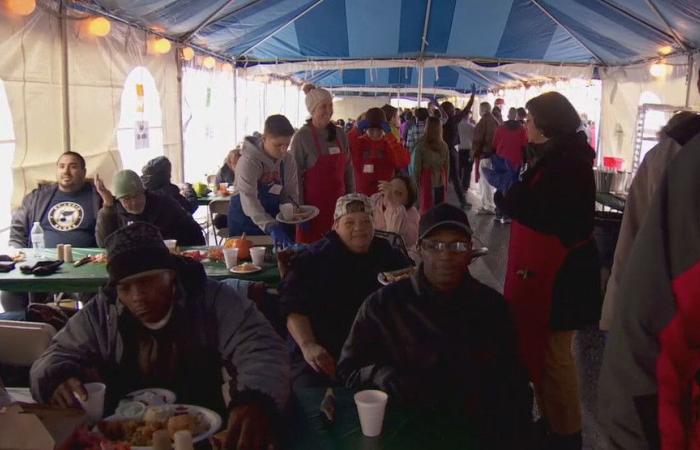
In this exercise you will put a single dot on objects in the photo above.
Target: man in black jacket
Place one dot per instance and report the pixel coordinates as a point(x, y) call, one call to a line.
point(327, 284)
point(156, 176)
point(442, 340)
point(132, 203)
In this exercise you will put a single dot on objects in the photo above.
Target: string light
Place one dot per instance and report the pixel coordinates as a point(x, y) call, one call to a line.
point(162, 46)
point(666, 50)
point(20, 7)
point(187, 53)
point(99, 26)
point(659, 70)
point(209, 62)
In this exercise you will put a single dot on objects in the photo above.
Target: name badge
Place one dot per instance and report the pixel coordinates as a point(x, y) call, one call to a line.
point(368, 168)
point(276, 189)
point(333, 150)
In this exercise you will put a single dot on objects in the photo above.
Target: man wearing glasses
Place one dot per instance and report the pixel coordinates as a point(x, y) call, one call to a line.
point(443, 341)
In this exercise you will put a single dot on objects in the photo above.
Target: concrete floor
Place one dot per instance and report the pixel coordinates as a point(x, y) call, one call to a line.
point(588, 345)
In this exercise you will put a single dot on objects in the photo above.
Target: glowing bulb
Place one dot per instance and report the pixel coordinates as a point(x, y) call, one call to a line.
point(666, 50)
point(161, 46)
point(659, 70)
point(21, 7)
point(209, 62)
point(187, 53)
point(226, 67)
point(99, 26)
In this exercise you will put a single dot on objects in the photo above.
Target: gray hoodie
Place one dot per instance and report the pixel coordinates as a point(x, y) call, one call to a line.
point(255, 165)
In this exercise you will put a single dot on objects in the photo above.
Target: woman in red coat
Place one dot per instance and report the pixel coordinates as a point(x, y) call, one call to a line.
point(376, 153)
point(553, 276)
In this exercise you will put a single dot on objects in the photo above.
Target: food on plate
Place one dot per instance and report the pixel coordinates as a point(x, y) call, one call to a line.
point(131, 409)
point(216, 254)
point(99, 258)
point(177, 423)
point(197, 255)
point(246, 267)
point(396, 275)
point(301, 214)
point(241, 243)
point(140, 432)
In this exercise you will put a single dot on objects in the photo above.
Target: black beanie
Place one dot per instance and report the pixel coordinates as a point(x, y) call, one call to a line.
point(134, 249)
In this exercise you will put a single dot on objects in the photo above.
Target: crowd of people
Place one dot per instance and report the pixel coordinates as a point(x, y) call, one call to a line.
point(439, 339)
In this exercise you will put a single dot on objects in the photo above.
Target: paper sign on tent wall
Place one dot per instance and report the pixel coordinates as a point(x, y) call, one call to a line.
point(141, 135)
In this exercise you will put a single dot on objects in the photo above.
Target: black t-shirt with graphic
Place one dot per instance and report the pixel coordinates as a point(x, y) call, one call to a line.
point(70, 219)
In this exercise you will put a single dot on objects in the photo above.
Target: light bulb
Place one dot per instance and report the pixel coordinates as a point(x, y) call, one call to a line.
point(99, 26)
point(209, 62)
point(161, 46)
point(21, 7)
point(187, 53)
point(659, 70)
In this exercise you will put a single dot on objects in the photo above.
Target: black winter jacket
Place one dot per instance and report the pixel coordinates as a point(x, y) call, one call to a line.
point(156, 178)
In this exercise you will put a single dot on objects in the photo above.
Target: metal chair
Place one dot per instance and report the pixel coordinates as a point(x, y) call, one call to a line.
point(29, 341)
point(219, 206)
point(394, 239)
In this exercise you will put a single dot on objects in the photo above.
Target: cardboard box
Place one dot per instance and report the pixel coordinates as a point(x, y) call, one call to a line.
point(38, 427)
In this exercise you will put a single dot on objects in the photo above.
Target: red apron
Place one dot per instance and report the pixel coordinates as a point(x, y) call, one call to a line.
point(427, 192)
point(324, 183)
point(374, 165)
point(534, 259)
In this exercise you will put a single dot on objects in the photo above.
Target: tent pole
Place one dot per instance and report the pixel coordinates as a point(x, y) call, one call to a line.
point(660, 15)
point(178, 62)
point(65, 76)
point(235, 106)
point(420, 85)
point(689, 78)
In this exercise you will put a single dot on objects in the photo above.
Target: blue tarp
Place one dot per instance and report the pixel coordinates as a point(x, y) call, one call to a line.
point(602, 32)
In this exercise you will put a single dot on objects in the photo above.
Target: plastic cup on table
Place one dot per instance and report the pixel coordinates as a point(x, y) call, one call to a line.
point(257, 254)
point(287, 210)
point(230, 257)
point(94, 405)
point(371, 405)
point(171, 244)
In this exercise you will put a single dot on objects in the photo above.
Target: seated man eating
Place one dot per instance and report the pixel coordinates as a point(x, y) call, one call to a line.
point(160, 322)
point(442, 340)
point(327, 284)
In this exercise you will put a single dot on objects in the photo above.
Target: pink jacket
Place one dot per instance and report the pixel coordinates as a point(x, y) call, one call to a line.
point(396, 219)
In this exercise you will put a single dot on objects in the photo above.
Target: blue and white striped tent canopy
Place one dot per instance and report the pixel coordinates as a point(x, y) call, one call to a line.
point(568, 32)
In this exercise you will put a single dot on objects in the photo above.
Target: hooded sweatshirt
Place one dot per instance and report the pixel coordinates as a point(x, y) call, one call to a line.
point(156, 178)
point(257, 168)
point(509, 141)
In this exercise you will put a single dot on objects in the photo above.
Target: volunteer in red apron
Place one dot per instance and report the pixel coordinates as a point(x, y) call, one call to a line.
point(553, 276)
point(376, 154)
point(430, 165)
point(324, 166)
point(266, 176)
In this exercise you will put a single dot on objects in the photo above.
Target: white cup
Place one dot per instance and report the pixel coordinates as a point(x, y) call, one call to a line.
point(257, 254)
point(171, 244)
point(287, 210)
point(94, 405)
point(370, 407)
point(230, 257)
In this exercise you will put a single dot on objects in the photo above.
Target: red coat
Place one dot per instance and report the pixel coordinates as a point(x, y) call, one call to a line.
point(376, 161)
point(510, 141)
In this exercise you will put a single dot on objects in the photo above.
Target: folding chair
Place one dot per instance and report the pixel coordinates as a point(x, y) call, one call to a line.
point(218, 207)
point(28, 341)
point(394, 239)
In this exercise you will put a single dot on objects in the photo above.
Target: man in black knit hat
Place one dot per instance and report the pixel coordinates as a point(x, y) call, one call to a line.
point(160, 322)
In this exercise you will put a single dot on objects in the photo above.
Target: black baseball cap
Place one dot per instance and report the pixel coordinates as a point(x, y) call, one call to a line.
point(443, 215)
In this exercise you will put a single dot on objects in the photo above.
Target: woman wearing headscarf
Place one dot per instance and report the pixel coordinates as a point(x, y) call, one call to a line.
point(324, 165)
point(553, 275)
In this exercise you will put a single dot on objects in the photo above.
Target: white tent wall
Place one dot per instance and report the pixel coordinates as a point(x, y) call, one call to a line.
point(351, 107)
point(31, 66)
point(623, 90)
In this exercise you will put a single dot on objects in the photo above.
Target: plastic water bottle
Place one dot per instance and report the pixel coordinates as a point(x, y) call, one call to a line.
point(37, 236)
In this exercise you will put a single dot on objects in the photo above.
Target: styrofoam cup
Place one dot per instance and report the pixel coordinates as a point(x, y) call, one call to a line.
point(371, 405)
point(230, 257)
point(171, 244)
point(287, 210)
point(257, 254)
point(94, 405)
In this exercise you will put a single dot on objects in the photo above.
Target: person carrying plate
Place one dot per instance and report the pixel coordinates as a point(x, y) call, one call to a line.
point(266, 176)
point(160, 322)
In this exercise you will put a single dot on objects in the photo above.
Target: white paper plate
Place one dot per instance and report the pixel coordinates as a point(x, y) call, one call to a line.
point(381, 276)
point(305, 208)
point(151, 396)
point(210, 416)
point(244, 272)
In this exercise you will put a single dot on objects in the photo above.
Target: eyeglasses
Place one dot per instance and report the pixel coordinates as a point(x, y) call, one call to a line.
point(453, 247)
